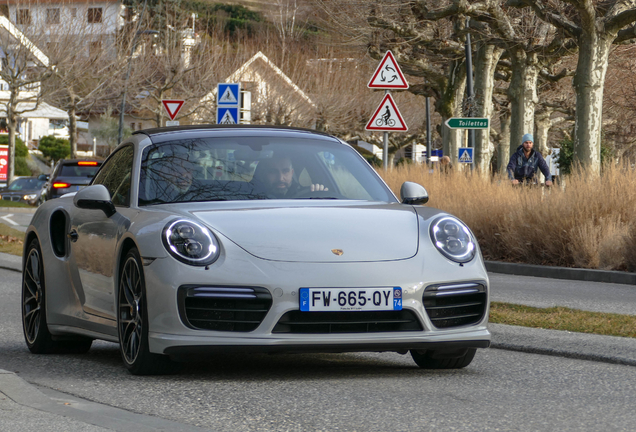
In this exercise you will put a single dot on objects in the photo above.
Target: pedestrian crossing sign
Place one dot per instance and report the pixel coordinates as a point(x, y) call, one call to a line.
point(227, 115)
point(466, 155)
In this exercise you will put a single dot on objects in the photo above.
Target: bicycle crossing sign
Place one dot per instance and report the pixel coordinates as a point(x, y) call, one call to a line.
point(387, 117)
point(466, 155)
point(388, 75)
point(228, 94)
point(227, 115)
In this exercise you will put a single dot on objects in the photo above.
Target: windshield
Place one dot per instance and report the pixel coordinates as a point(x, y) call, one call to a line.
point(247, 168)
point(26, 183)
point(78, 171)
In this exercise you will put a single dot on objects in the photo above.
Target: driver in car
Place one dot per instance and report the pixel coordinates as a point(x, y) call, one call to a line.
point(277, 177)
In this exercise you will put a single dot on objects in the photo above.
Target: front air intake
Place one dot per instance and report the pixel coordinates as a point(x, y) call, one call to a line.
point(347, 322)
point(234, 309)
point(455, 305)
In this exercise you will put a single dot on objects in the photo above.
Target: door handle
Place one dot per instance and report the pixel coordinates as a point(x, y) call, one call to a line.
point(73, 235)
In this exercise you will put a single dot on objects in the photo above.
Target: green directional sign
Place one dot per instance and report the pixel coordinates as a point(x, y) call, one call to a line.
point(467, 123)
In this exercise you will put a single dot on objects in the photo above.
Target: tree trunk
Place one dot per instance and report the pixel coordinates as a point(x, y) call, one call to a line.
point(485, 62)
point(522, 93)
point(72, 131)
point(12, 126)
point(503, 146)
point(542, 123)
point(450, 106)
point(589, 83)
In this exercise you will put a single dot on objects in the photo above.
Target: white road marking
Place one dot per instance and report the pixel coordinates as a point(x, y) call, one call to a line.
point(8, 219)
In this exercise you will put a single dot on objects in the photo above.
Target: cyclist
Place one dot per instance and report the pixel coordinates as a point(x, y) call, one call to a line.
point(524, 163)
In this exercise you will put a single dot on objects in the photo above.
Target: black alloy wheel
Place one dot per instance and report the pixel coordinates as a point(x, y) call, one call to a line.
point(34, 322)
point(132, 321)
point(456, 359)
point(36, 332)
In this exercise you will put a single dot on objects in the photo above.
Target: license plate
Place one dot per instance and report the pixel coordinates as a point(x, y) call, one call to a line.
point(350, 299)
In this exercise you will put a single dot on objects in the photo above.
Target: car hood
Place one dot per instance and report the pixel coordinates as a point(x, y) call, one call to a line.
point(339, 233)
point(20, 192)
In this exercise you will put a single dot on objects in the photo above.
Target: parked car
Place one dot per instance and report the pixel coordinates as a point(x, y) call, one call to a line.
point(71, 175)
point(27, 190)
point(196, 240)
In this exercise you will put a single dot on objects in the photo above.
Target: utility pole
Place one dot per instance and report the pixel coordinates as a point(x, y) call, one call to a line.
point(469, 84)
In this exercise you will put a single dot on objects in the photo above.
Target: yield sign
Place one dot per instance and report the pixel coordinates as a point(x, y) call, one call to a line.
point(387, 117)
point(172, 107)
point(388, 75)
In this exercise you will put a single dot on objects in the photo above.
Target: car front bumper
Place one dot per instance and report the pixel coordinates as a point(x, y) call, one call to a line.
point(168, 334)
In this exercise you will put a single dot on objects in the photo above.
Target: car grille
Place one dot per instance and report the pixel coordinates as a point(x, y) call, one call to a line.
point(347, 322)
point(11, 198)
point(235, 309)
point(455, 305)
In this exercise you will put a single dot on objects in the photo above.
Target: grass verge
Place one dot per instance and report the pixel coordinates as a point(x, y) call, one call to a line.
point(6, 203)
point(11, 240)
point(561, 318)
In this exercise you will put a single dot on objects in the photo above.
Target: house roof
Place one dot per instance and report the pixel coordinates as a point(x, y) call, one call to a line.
point(25, 41)
point(43, 110)
point(248, 65)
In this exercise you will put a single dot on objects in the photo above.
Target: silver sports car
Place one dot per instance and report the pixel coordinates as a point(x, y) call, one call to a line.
point(196, 240)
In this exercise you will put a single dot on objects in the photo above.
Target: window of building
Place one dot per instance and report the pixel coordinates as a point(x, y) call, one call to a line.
point(53, 16)
point(130, 14)
point(73, 12)
point(23, 16)
point(94, 15)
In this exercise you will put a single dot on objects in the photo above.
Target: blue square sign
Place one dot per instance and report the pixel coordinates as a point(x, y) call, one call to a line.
point(466, 155)
point(227, 115)
point(228, 94)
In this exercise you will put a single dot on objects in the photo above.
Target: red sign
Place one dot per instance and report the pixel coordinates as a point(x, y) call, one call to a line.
point(4, 163)
point(172, 107)
point(388, 75)
point(387, 117)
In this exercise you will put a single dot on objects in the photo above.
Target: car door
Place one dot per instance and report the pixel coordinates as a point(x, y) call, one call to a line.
point(95, 237)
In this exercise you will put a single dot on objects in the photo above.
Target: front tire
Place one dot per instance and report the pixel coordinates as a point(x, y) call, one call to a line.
point(132, 321)
point(456, 359)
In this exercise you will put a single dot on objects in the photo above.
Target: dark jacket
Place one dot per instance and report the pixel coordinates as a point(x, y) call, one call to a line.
point(524, 169)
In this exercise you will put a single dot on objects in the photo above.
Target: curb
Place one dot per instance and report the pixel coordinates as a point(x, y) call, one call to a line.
point(62, 405)
point(608, 276)
point(18, 209)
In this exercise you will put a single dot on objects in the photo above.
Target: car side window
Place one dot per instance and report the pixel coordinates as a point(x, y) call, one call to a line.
point(116, 174)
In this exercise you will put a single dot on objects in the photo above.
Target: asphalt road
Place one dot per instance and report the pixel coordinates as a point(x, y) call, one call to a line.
point(500, 390)
point(582, 295)
point(17, 219)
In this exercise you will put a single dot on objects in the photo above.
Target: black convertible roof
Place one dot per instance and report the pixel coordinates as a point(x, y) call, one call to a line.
point(162, 130)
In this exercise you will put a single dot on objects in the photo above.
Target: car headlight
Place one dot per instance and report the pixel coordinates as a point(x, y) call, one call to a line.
point(190, 242)
point(453, 239)
point(29, 197)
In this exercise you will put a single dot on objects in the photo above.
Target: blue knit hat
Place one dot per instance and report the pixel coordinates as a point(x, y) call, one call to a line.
point(527, 137)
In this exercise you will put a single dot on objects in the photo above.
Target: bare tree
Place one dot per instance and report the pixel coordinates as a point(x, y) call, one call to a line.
point(23, 68)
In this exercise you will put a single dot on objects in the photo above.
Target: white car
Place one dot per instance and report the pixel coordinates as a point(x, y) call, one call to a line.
point(199, 239)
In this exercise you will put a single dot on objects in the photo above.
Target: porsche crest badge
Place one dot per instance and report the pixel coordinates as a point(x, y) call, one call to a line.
point(337, 251)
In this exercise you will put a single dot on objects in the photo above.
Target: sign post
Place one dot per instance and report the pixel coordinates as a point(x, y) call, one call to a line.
point(387, 117)
point(228, 103)
point(172, 106)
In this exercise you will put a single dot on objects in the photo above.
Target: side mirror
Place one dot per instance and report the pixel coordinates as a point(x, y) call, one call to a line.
point(95, 197)
point(413, 193)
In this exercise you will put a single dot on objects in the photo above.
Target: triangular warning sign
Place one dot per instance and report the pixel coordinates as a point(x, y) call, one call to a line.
point(387, 117)
point(388, 75)
point(228, 97)
point(172, 107)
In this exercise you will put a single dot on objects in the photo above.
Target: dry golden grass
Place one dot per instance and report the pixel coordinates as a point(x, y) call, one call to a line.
point(11, 240)
point(560, 318)
point(586, 222)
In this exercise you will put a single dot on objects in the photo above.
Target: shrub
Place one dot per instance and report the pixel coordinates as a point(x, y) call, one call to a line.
point(54, 148)
point(21, 149)
point(21, 167)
